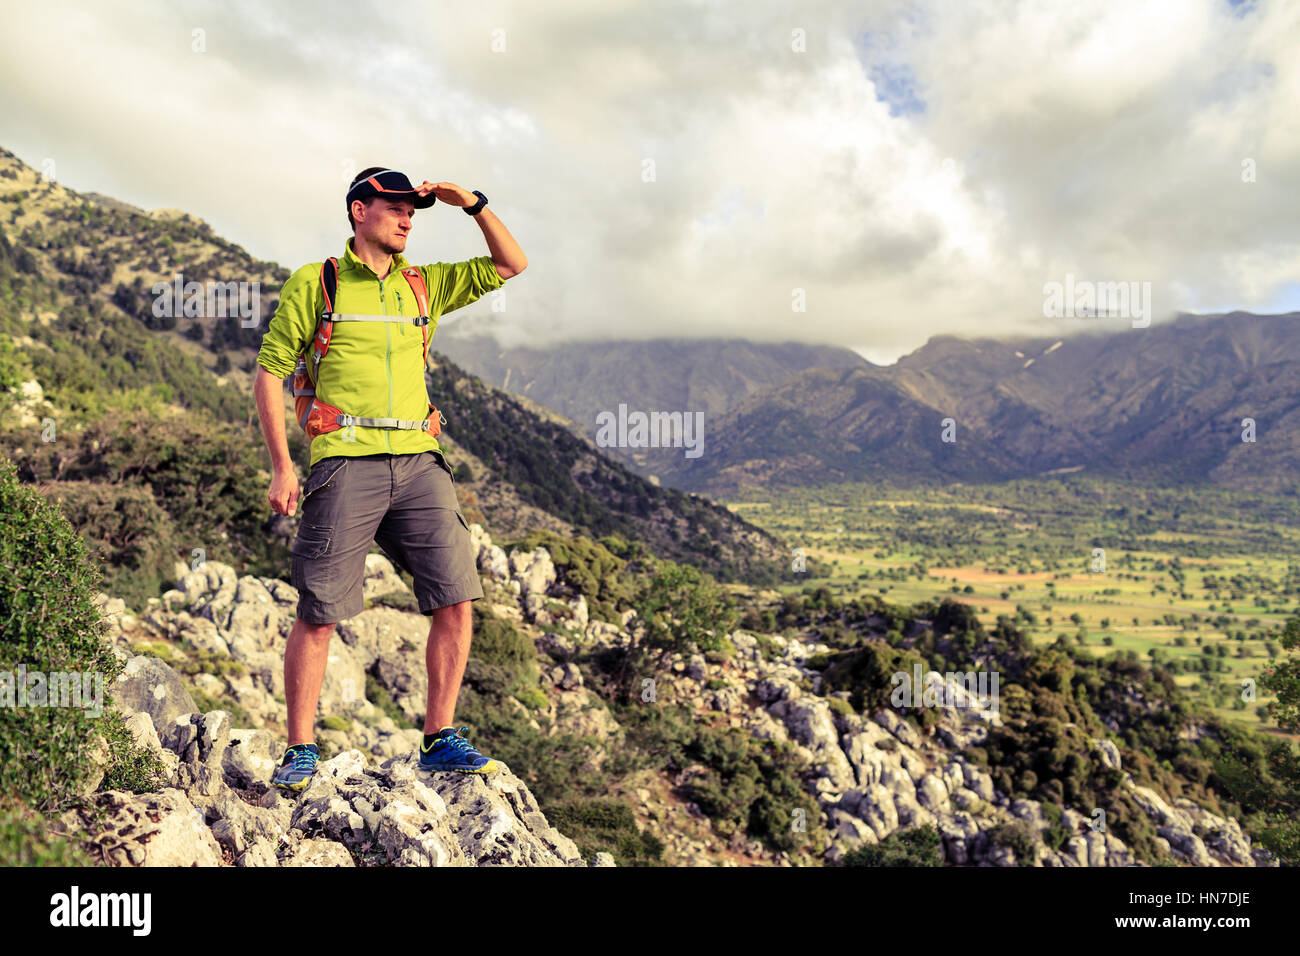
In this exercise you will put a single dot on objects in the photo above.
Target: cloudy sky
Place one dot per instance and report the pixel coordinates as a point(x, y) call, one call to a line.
point(681, 168)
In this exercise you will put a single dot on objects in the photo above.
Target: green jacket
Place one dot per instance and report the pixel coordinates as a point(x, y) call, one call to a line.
point(372, 369)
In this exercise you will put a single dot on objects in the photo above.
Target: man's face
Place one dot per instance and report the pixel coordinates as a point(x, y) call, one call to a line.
point(387, 223)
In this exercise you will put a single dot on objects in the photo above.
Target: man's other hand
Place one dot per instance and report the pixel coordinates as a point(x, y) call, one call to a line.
point(283, 495)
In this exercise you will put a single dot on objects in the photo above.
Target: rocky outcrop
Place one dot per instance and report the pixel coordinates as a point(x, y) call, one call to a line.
point(368, 805)
point(872, 775)
point(217, 808)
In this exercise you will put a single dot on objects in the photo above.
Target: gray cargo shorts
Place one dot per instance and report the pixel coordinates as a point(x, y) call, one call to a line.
point(404, 503)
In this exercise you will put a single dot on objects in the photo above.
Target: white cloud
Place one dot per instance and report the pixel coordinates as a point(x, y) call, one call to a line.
point(1099, 139)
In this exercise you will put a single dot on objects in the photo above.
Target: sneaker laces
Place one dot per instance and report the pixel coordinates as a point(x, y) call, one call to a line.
point(459, 744)
point(303, 759)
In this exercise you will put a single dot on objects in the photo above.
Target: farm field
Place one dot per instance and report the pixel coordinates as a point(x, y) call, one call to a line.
point(1201, 579)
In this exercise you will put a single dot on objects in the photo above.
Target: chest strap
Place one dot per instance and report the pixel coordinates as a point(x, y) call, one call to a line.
point(357, 317)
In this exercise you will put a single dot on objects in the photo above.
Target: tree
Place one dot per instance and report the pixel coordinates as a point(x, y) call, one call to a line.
point(1283, 679)
point(684, 610)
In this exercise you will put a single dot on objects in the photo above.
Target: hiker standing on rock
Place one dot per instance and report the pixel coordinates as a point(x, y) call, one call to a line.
point(354, 332)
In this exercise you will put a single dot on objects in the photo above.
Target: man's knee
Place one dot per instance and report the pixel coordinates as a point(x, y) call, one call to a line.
point(458, 613)
point(314, 632)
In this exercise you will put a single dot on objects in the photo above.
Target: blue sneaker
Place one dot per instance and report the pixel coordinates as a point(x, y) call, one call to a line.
point(451, 751)
point(296, 771)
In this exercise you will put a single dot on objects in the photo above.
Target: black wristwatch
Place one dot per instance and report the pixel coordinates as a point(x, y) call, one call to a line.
point(477, 208)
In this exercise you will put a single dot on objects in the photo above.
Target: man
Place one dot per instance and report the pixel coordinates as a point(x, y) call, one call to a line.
point(385, 480)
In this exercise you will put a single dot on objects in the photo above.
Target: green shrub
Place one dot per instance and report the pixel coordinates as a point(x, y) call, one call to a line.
point(49, 623)
point(133, 538)
point(208, 476)
point(1055, 837)
point(378, 695)
point(867, 674)
point(838, 706)
point(1020, 838)
point(683, 609)
point(532, 698)
point(588, 568)
point(501, 659)
point(918, 847)
point(606, 825)
point(25, 840)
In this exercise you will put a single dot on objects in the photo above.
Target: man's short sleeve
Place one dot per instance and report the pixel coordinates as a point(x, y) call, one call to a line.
point(293, 324)
point(453, 285)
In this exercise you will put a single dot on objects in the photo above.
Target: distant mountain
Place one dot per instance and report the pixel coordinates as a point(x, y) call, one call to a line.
point(552, 470)
point(1164, 404)
point(578, 380)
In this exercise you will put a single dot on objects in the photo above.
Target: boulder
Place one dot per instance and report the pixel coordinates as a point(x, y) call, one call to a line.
point(149, 685)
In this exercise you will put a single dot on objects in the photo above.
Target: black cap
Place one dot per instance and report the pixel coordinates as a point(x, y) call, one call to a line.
point(388, 184)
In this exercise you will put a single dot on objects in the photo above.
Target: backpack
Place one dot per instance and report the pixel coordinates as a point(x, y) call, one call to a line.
point(318, 418)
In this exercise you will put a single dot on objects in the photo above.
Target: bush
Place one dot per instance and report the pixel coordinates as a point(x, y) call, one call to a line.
point(587, 568)
point(602, 824)
point(25, 840)
point(841, 707)
point(207, 476)
point(919, 847)
point(127, 531)
point(1020, 838)
point(684, 610)
point(867, 674)
point(50, 623)
point(1055, 837)
point(501, 660)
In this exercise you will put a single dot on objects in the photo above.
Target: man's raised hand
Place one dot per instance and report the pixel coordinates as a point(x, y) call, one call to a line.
point(449, 193)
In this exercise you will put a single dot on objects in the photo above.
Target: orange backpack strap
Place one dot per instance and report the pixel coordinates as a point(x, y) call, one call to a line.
point(307, 371)
point(329, 282)
point(415, 278)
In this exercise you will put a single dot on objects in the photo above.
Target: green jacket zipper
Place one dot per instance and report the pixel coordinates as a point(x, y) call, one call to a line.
point(388, 365)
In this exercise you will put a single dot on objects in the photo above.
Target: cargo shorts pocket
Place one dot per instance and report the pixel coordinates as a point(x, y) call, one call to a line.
point(312, 541)
point(445, 465)
point(322, 476)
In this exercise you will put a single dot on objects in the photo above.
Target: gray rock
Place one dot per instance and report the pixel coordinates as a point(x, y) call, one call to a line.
point(932, 794)
point(1187, 845)
point(148, 685)
point(147, 829)
point(251, 758)
point(1029, 811)
point(381, 578)
point(309, 852)
point(534, 570)
point(1109, 753)
point(566, 676)
point(413, 818)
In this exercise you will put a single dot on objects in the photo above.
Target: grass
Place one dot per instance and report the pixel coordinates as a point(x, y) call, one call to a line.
point(1184, 569)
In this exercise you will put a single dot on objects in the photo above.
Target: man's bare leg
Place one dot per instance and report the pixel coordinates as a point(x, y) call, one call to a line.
point(305, 655)
point(450, 631)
